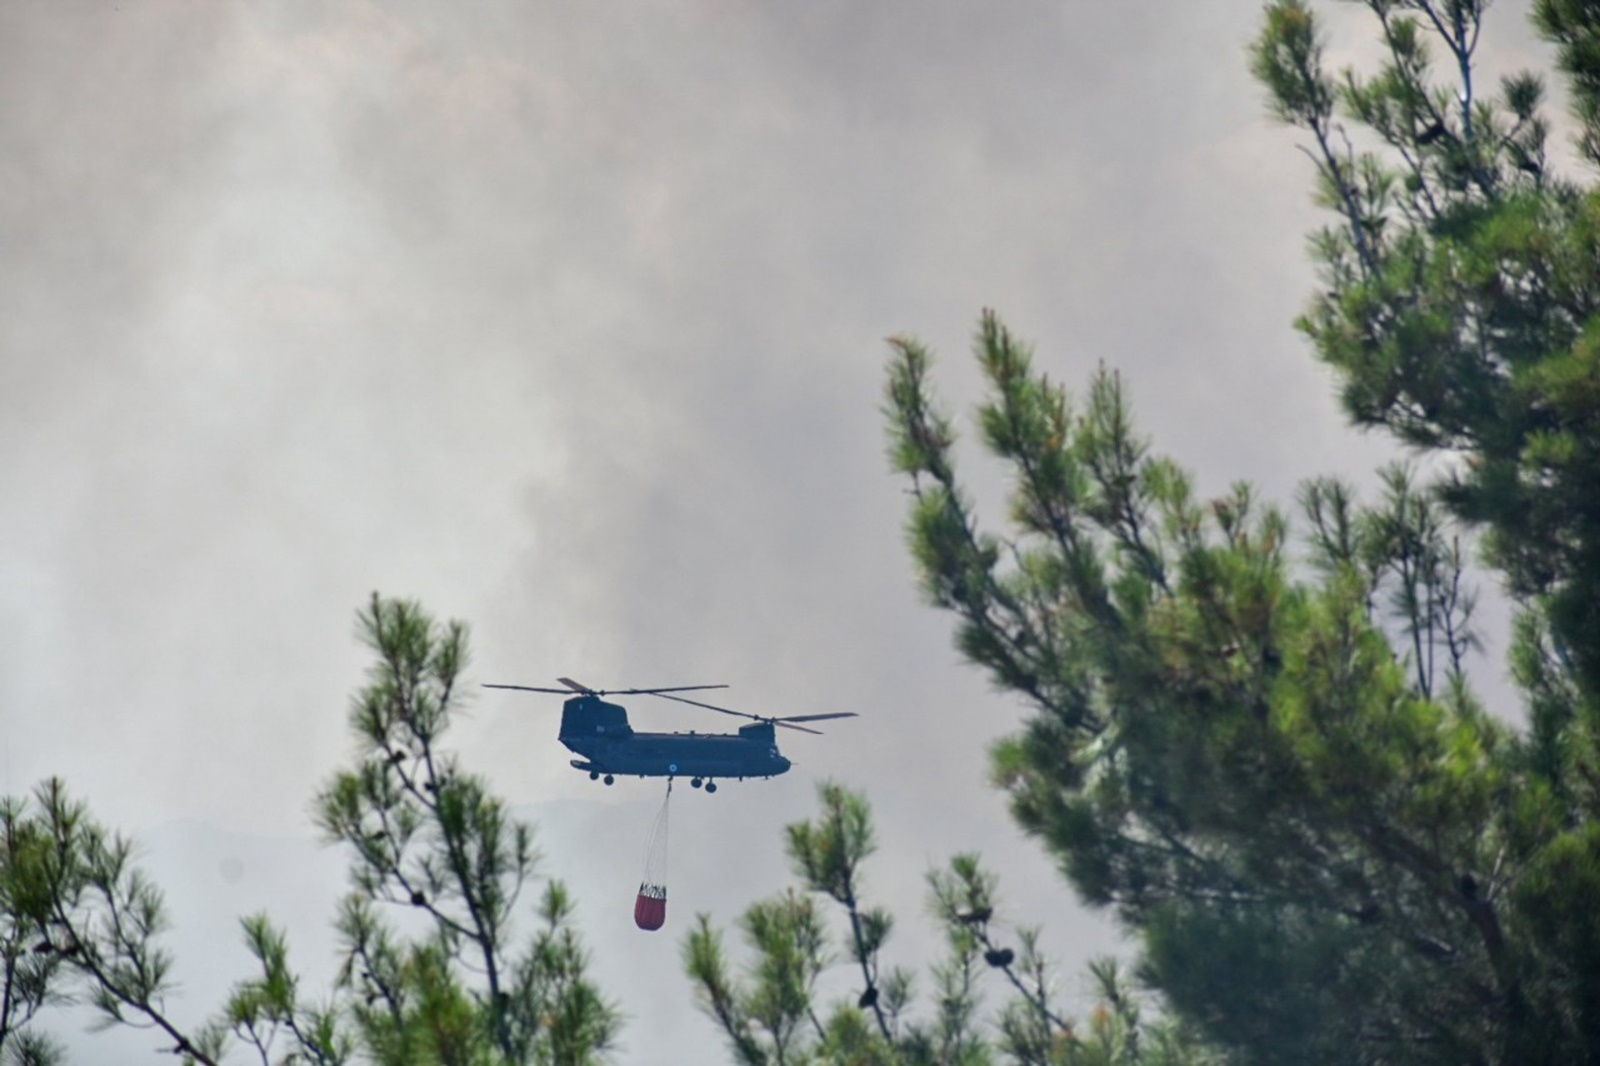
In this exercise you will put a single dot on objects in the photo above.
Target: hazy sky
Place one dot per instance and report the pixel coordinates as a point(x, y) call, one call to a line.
point(567, 319)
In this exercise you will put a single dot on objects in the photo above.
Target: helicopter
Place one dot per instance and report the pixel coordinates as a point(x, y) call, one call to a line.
point(599, 731)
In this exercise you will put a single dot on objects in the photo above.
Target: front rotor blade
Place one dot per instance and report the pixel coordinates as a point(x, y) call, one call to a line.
point(586, 690)
point(531, 688)
point(815, 717)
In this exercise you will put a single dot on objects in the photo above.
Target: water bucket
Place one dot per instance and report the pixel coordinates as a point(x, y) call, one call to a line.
point(650, 907)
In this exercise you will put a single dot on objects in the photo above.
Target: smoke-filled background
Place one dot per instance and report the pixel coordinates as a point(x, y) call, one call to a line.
point(567, 320)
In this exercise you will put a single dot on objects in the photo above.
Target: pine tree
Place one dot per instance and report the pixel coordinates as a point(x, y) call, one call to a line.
point(79, 922)
point(776, 1014)
point(1269, 764)
point(1462, 284)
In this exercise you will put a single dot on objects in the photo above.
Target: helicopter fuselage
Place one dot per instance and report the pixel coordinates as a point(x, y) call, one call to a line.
point(599, 732)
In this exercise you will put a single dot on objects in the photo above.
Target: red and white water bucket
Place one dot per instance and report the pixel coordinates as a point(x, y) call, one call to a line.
point(650, 907)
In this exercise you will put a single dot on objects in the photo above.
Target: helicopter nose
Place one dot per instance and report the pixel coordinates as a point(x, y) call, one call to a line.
point(783, 764)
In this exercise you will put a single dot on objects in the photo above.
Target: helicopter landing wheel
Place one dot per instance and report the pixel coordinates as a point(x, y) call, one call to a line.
point(594, 775)
point(711, 786)
point(610, 780)
point(695, 782)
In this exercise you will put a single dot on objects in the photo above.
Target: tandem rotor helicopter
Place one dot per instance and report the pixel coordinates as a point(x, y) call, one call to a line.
point(599, 731)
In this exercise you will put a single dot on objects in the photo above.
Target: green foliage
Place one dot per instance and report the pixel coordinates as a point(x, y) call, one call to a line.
point(775, 1014)
point(431, 838)
point(74, 889)
point(30, 961)
point(267, 1009)
point(1271, 765)
point(1571, 25)
point(1462, 281)
point(1275, 773)
point(80, 923)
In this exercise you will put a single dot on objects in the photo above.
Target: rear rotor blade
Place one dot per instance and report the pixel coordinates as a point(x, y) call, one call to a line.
point(790, 725)
point(708, 706)
point(815, 717)
point(786, 722)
